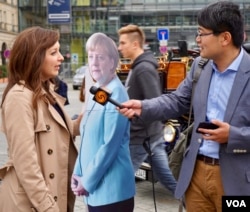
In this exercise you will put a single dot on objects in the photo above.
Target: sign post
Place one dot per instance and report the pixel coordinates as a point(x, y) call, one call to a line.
point(163, 36)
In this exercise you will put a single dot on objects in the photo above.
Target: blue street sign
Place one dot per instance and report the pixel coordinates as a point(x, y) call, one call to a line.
point(162, 34)
point(59, 11)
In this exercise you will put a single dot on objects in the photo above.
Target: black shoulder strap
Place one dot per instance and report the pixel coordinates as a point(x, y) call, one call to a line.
point(197, 73)
point(201, 64)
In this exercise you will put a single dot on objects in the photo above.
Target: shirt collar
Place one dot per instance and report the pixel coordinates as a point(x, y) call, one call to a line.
point(234, 66)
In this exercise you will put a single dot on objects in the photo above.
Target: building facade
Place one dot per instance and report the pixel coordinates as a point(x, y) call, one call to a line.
point(89, 16)
point(8, 28)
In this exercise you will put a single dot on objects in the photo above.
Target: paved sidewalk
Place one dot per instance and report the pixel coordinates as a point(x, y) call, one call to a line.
point(144, 199)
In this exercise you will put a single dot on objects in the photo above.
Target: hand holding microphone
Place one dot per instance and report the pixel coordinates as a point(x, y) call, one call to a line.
point(130, 109)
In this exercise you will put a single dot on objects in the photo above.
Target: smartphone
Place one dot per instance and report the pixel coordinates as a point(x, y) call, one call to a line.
point(206, 125)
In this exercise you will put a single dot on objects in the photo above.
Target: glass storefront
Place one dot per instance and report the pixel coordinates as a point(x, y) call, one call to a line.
point(89, 16)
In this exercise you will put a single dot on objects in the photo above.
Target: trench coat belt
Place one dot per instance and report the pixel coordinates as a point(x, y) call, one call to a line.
point(208, 160)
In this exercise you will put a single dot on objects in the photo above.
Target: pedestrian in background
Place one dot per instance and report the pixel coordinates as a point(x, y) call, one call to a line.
point(61, 88)
point(216, 163)
point(103, 171)
point(143, 82)
point(39, 133)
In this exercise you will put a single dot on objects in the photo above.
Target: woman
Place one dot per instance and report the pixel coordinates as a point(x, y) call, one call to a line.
point(39, 132)
point(103, 171)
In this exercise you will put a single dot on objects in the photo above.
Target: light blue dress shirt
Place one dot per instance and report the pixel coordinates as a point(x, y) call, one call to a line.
point(218, 95)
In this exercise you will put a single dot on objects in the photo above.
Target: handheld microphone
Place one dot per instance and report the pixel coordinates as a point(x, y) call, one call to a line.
point(103, 96)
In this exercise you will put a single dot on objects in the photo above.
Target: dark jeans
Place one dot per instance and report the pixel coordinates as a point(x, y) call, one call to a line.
point(123, 206)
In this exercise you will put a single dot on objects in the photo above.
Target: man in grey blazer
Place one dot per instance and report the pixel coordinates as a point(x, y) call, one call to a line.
point(217, 162)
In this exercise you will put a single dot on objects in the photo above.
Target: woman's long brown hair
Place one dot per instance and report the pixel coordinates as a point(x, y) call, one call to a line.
point(26, 58)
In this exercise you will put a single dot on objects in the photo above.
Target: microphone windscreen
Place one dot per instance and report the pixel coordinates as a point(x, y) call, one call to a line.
point(93, 90)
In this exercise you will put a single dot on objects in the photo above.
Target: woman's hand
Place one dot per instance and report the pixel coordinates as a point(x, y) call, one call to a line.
point(77, 187)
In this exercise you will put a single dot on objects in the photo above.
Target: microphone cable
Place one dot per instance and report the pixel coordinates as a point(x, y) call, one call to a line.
point(147, 147)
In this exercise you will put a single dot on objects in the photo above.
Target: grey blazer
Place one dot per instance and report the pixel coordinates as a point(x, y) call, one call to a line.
point(234, 155)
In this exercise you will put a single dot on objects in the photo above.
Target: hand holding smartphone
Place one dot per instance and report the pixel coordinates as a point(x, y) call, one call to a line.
point(206, 125)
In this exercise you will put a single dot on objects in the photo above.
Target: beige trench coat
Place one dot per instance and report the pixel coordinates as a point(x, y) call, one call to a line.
point(41, 155)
